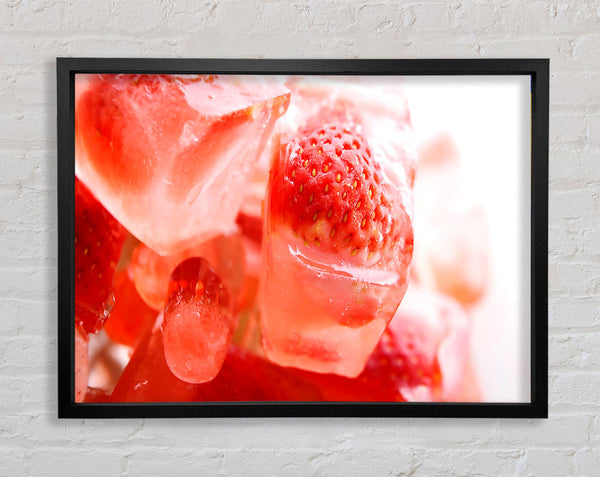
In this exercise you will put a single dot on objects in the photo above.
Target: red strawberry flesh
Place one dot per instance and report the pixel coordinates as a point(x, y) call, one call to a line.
point(130, 315)
point(99, 239)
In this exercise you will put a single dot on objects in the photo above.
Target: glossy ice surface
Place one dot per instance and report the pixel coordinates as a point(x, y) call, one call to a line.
point(307, 305)
point(198, 322)
point(169, 156)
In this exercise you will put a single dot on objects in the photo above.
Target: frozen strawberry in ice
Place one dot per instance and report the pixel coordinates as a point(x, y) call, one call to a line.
point(151, 271)
point(337, 244)
point(379, 106)
point(130, 314)
point(422, 356)
point(198, 321)
point(169, 155)
point(99, 239)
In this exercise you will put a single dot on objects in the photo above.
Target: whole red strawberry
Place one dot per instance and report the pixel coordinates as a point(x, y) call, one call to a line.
point(99, 239)
point(331, 193)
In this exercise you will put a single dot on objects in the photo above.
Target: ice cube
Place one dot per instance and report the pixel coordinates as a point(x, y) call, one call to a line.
point(198, 322)
point(169, 155)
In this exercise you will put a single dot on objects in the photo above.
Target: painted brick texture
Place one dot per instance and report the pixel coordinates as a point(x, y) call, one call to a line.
point(34, 442)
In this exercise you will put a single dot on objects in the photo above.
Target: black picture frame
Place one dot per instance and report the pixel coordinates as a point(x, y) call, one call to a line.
point(538, 69)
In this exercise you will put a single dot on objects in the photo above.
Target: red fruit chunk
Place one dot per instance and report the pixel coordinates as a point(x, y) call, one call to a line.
point(250, 226)
point(247, 377)
point(151, 271)
point(198, 322)
point(330, 192)
point(169, 155)
point(98, 242)
point(96, 395)
point(243, 377)
point(130, 314)
point(147, 377)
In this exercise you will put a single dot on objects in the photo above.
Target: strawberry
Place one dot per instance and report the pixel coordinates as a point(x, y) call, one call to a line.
point(404, 360)
point(333, 195)
point(98, 242)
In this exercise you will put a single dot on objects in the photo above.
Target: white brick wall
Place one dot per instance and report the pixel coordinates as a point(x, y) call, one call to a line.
point(34, 442)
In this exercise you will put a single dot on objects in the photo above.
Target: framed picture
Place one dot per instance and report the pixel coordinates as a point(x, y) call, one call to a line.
point(302, 237)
